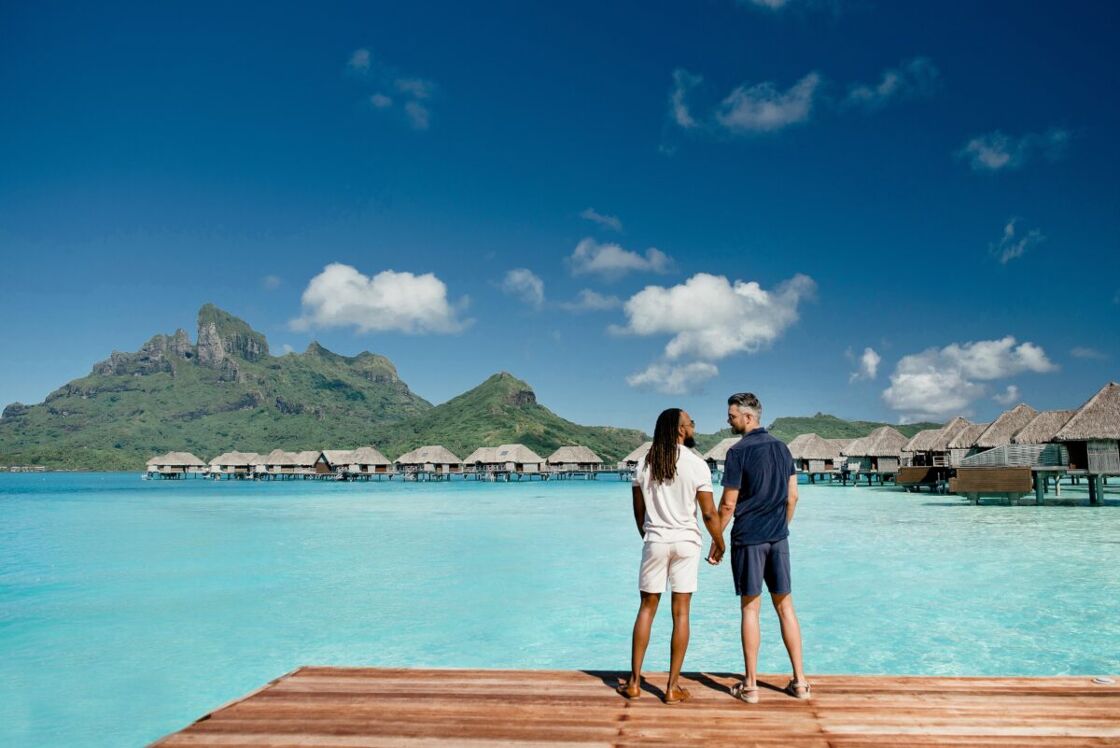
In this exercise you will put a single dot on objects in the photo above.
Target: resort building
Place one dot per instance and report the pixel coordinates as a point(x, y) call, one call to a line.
point(433, 459)
point(361, 461)
point(878, 452)
point(716, 457)
point(1092, 434)
point(574, 460)
point(175, 465)
point(233, 465)
point(277, 463)
point(1042, 428)
point(508, 458)
point(632, 460)
point(964, 443)
point(813, 454)
point(1003, 428)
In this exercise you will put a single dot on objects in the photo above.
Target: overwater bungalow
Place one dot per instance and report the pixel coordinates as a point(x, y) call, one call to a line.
point(716, 457)
point(432, 460)
point(879, 452)
point(362, 461)
point(631, 461)
point(814, 455)
point(1005, 426)
point(175, 465)
point(1042, 428)
point(508, 458)
point(574, 459)
point(1092, 436)
point(233, 465)
point(277, 464)
point(964, 443)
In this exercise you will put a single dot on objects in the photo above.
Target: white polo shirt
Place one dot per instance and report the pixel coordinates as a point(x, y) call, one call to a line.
point(671, 507)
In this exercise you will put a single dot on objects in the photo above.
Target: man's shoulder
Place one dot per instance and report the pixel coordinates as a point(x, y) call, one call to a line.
point(693, 459)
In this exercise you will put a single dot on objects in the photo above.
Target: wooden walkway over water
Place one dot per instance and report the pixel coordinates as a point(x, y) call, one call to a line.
point(319, 706)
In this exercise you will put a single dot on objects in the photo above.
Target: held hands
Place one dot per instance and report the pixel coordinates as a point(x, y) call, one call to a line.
point(715, 554)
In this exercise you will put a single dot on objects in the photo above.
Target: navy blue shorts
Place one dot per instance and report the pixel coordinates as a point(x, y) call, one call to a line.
point(751, 564)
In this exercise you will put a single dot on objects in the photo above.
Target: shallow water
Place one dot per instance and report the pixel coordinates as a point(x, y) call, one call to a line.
point(128, 608)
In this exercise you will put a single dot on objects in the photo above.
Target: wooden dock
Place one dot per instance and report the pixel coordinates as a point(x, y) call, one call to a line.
point(320, 706)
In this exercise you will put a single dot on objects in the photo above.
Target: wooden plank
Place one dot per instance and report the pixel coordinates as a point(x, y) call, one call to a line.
point(320, 706)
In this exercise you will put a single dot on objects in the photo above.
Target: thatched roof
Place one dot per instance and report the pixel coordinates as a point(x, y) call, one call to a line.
point(1041, 428)
point(884, 441)
point(719, 451)
point(947, 433)
point(1004, 427)
point(1099, 418)
point(813, 447)
point(435, 454)
point(968, 436)
point(922, 441)
point(234, 458)
point(504, 453)
point(796, 443)
point(575, 454)
point(638, 454)
point(840, 443)
point(176, 459)
point(367, 456)
point(854, 447)
point(307, 458)
point(280, 458)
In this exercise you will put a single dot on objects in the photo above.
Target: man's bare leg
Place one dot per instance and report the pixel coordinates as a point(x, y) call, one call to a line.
point(749, 606)
point(682, 601)
point(640, 640)
point(791, 633)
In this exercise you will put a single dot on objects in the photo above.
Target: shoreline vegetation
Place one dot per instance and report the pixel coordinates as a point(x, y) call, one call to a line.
point(225, 391)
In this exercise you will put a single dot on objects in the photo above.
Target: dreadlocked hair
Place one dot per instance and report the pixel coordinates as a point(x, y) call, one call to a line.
point(662, 456)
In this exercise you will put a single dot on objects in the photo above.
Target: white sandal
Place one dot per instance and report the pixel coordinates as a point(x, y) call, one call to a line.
point(806, 690)
point(745, 693)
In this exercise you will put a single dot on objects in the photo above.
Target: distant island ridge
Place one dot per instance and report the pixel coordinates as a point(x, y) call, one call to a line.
point(226, 391)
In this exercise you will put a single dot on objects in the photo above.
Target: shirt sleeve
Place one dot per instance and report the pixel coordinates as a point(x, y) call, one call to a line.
point(733, 469)
point(789, 459)
point(637, 480)
point(703, 476)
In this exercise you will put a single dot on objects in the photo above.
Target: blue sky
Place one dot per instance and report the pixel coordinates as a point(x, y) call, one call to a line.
point(753, 195)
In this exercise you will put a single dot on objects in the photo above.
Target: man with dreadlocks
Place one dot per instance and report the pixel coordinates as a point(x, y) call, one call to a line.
point(670, 483)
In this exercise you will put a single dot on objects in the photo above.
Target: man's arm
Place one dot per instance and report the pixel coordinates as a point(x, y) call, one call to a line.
point(727, 504)
point(722, 518)
point(639, 509)
point(711, 518)
point(791, 502)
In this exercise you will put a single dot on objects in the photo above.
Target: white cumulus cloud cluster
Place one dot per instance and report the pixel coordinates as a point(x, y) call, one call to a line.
point(1014, 244)
point(915, 77)
point(341, 296)
point(526, 285)
point(612, 261)
point(996, 151)
point(709, 318)
point(939, 382)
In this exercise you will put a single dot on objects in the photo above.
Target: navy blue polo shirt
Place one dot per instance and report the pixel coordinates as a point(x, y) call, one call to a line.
point(759, 466)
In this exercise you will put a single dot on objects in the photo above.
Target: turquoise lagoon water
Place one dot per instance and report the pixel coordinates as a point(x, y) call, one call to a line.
point(128, 608)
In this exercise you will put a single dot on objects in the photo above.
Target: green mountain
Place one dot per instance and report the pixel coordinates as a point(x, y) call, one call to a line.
point(822, 424)
point(504, 410)
point(226, 391)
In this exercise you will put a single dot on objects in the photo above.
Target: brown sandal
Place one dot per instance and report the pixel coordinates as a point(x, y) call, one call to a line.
point(678, 696)
point(628, 692)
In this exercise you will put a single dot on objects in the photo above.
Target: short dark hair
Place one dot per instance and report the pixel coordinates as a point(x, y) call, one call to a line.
point(746, 400)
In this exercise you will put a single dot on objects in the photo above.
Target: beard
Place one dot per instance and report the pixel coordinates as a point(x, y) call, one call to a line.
point(738, 430)
point(689, 442)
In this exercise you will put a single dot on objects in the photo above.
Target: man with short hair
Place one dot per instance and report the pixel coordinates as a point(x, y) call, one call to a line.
point(668, 486)
point(760, 491)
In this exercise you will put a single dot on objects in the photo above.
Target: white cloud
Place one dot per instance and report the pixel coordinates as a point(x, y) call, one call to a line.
point(709, 318)
point(996, 151)
point(590, 301)
point(418, 115)
point(916, 77)
point(942, 382)
point(1012, 245)
point(612, 261)
point(1008, 396)
point(286, 349)
point(271, 282)
point(417, 88)
point(1089, 353)
point(340, 296)
point(610, 222)
point(868, 366)
point(359, 60)
point(380, 101)
point(673, 380)
point(683, 82)
point(525, 285)
point(762, 108)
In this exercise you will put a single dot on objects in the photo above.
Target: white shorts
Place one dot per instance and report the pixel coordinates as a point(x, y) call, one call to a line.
point(675, 563)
